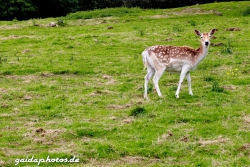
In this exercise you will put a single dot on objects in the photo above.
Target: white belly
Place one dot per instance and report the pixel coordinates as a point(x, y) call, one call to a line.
point(176, 65)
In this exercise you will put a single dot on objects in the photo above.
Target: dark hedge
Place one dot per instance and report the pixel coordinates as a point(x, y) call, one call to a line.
point(27, 9)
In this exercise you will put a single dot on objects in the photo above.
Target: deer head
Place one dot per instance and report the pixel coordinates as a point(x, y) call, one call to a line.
point(205, 37)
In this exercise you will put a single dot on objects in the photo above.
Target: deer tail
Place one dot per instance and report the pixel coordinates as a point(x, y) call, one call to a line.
point(144, 59)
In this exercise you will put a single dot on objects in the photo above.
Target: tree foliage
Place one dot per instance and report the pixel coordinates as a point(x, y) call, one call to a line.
point(10, 9)
point(26, 9)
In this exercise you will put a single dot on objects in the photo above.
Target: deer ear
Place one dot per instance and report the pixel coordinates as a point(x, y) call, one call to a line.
point(197, 32)
point(212, 32)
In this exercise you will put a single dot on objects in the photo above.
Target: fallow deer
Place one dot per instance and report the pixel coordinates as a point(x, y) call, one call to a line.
point(181, 59)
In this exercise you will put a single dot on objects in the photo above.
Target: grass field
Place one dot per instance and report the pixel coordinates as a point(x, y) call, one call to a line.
point(77, 90)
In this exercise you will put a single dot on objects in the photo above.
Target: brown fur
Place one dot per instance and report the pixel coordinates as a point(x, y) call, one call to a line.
point(164, 53)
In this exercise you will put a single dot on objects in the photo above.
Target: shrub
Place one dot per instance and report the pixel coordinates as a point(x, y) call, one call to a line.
point(216, 87)
point(246, 12)
point(137, 111)
point(115, 12)
point(227, 48)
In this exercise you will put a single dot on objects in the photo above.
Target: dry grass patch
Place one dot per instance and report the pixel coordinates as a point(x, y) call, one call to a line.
point(194, 11)
point(128, 120)
point(13, 151)
point(164, 137)
point(95, 21)
point(48, 136)
point(118, 107)
point(230, 87)
point(3, 90)
point(12, 114)
point(247, 119)
point(102, 92)
point(2, 163)
point(10, 37)
point(24, 78)
point(245, 147)
point(65, 147)
point(159, 16)
point(127, 160)
point(210, 142)
point(110, 79)
point(47, 74)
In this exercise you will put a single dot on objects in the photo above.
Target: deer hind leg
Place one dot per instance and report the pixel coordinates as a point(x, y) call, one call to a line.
point(156, 79)
point(189, 83)
point(151, 72)
point(182, 76)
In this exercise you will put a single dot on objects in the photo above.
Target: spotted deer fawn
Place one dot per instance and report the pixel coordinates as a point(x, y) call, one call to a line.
point(181, 59)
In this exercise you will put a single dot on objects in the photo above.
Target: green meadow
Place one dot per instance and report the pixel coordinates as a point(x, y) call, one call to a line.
point(77, 89)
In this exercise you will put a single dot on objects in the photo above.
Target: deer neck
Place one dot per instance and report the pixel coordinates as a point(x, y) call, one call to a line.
point(202, 52)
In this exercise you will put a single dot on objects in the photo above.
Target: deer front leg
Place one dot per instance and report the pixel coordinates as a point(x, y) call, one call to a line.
point(189, 83)
point(182, 76)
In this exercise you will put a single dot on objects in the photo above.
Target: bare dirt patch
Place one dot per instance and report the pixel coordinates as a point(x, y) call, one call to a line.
point(99, 92)
point(247, 119)
point(229, 87)
point(110, 79)
point(2, 163)
point(210, 142)
point(118, 107)
point(2, 90)
point(25, 51)
point(233, 29)
point(47, 74)
point(164, 137)
point(129, 120)
point(25, 78)
point(10, 37)
point(4, 105)
point(27, 97)
point(184, 138)
point(245, 147)
point(44, 136)
point(112, 118)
